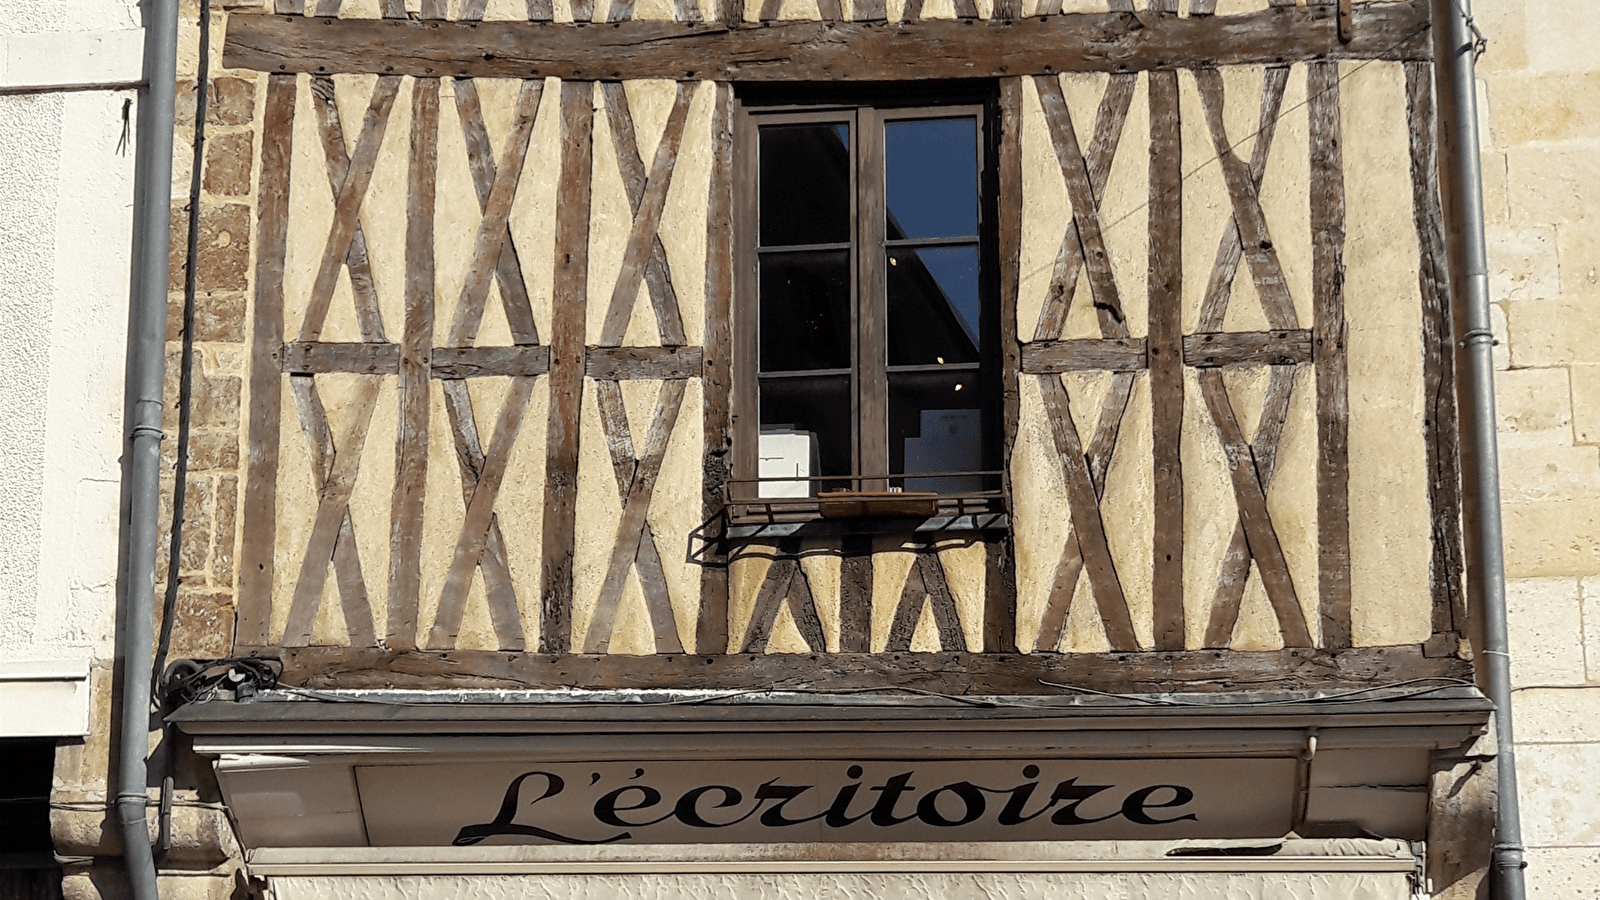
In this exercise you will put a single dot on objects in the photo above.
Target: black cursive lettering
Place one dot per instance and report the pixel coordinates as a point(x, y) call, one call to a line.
point(1074, 794)
point(1139, 801)
point(606, 808)
point(883, 812)
point(971, 796)
point(688, 812)
point(503, 823)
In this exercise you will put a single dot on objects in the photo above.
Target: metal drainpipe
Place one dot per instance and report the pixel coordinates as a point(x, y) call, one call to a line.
point(1461, 180)
point(146, 365)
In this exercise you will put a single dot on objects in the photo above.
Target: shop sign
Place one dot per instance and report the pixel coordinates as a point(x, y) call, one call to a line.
point(685, 801)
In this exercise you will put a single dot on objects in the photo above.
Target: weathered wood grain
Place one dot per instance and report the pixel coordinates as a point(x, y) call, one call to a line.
point(647, 560)
point(1200, 671)
point(351, 584)
point(333, 509)
point(999, 596)
point(453, 363)
point(774, 591)
point(1328, 351)
point(1247, 348)
point(504, 611)
point(657, 271)
point(301, 358)
point(1008, 183)
point(571, 293)
point(1438, 360)
point(1214, 306)
point(907, 613)
point(1235, 570)
point(1166, 357)
point(1253, 516)
point(634, 510)
point(1101, 447)
point(317, 358)
point(347, 209)
point(803, 609)
point(822, 51)
point(716, 380)
point(486, 178)
point(643, 236)
point(369, 318)
point(479, 515)
point(416, 354)
point(1085, 207)
point(1109, 121)
point(259, 512)
point(480, 159)
point(1084, 355)
point(1266, 270)
point(855, 593)
point(1084, 502)
point(624, 363)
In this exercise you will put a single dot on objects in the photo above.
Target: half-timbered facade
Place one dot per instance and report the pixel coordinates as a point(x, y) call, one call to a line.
point(503, 420)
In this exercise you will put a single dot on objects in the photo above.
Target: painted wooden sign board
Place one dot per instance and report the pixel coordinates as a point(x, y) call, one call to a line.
point(716, 801)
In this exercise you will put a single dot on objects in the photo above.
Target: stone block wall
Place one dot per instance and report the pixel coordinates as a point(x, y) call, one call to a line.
point(1539, 95)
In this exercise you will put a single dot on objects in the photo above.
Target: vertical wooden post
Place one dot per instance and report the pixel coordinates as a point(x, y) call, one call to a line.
point(1166, 351)
point(716, 380)
point(569, 318)
point(260, 511)
point(416, 354)
point(1328, 353)
point(1438, 359)
point(1000, 592)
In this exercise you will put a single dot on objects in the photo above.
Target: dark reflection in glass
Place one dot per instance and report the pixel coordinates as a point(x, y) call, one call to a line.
point(805, 431)
point(805, 310)
point(936, 423)
point(805, 184)
point(932, 172)
point(934, 307)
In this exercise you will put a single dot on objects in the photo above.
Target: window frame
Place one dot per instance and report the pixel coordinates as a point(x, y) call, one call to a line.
point(866, 109)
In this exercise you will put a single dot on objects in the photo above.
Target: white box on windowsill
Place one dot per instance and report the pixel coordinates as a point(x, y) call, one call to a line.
point(786, 454)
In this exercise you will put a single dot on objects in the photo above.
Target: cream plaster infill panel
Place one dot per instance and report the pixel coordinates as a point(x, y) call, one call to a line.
point(1389, 512)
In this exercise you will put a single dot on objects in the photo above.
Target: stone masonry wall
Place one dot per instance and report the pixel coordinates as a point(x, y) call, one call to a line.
point(1540, 103)
point(204, 859)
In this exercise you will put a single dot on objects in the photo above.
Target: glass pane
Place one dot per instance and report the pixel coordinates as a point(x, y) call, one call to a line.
point(805, 310)
point(932, 177)
point(805, 431)
point(934, 309)
point(805, 184)
point(936, 425)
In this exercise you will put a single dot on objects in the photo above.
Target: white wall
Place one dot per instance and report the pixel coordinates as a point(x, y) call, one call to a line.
point(66, 197)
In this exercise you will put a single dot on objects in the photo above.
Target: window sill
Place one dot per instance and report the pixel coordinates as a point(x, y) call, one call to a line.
point(790, 517)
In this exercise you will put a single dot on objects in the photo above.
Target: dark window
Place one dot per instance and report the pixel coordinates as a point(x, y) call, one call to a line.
point(868, 314)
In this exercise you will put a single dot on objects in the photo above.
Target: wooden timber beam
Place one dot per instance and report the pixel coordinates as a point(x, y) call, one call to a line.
point(952, 673)
point(604, 363)
point(1208, 350)
point(823, 51)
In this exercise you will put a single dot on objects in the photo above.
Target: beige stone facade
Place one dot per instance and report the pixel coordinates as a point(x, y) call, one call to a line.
point(1542, 186)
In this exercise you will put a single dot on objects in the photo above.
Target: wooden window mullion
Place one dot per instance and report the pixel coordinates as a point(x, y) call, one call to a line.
point(872, 306)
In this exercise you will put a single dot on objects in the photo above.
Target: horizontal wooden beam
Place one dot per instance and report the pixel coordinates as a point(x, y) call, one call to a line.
point(1083, 355)
point(1202, 351)
point(1247, 348)
point(623, 363)
point(478, 362)
point(823, 51)
point(318, 358)
point(606, 363)
point(1206, 671)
